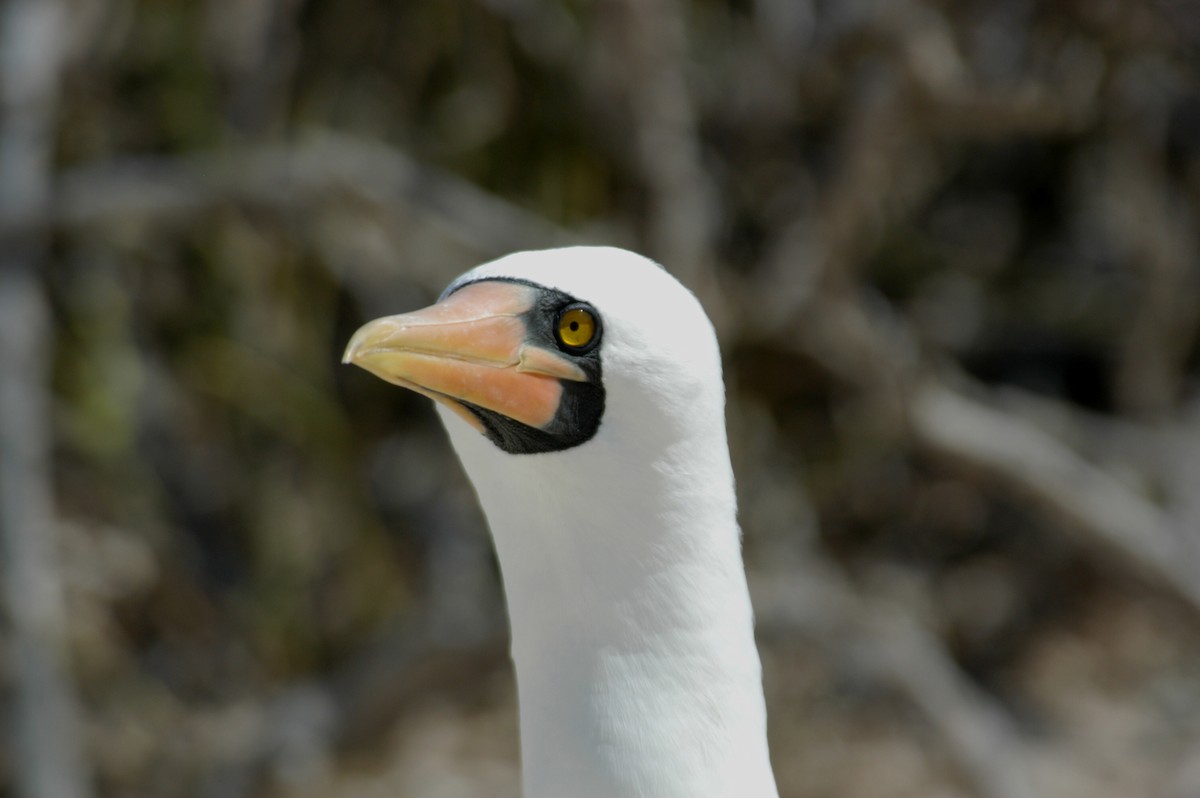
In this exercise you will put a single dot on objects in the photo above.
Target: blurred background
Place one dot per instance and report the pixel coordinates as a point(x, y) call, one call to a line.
point(950, 247)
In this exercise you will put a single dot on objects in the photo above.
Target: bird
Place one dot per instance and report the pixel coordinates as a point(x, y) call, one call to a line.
point(581, 388)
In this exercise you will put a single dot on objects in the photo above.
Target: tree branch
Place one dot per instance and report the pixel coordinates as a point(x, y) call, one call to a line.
point(285, 176)
point(49, 762)
point(894, 650)
point(1106, 515)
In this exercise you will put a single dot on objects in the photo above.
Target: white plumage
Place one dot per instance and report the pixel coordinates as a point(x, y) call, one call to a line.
point(632, 630)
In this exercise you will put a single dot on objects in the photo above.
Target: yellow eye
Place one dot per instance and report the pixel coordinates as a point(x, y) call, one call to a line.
point(576, 327)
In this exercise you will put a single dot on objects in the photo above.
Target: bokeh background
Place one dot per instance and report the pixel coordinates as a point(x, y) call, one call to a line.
point(951, 250)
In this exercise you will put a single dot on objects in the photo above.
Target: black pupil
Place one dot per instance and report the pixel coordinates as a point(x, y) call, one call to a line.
point(574, 326)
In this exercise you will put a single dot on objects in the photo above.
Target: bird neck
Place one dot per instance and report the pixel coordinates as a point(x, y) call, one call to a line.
point(632, 631)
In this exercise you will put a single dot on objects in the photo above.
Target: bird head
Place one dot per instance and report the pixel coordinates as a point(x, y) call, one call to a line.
point(542, 351)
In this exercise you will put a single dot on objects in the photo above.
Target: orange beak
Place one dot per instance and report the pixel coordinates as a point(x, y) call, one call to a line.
point(469, 348)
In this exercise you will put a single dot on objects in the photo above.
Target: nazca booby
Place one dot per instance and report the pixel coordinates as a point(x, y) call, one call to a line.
point(595, 380)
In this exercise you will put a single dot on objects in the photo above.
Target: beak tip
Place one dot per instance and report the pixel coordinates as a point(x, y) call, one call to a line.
point(359, 341)
point(351, 351)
